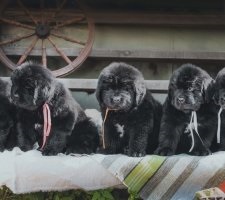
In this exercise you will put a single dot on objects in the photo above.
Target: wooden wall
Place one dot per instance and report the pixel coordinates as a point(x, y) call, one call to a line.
point(156, 44)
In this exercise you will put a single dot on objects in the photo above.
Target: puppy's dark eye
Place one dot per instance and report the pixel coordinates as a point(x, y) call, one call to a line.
point(190, 89)
point(108, 80)
point(215, 97)
point(126, 82)
point(127, 88)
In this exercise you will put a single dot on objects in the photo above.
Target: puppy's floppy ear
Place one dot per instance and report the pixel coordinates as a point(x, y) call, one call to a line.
point(140, 91)
point(208, 88)
point(169, 95)
point(171, 87)
point(98, 89)
point(97, 93)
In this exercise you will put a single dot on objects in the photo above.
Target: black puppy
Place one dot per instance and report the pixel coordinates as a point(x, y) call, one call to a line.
point(37, 94)
point(7, 118)
point(187, 93)
point(131, 115)
point(217, 93)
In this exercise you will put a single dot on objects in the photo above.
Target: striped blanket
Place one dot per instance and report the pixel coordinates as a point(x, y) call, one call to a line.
point(176, 177)
point(152, 177)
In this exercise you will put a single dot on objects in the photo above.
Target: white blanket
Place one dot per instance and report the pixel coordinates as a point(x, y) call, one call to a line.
point(29, 171)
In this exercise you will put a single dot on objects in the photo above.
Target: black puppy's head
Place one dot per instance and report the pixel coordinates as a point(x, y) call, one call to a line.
point(218, 89)
point(31, 85)
point(120, 87)
point(187, 88)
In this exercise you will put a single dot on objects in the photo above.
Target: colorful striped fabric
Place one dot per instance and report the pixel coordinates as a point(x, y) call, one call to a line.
point(162, 178)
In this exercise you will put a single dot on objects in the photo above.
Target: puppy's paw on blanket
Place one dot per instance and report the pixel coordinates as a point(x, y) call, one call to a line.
point(137, 154)
point(201, 152)
point(133, 153)
point(48, 151)
point(164, 151)
point(105, 151)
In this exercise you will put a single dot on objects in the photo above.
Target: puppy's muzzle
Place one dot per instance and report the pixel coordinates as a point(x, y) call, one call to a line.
point(186, 103)
point(222, 100)
point(15, 97)
point(180, 100)
point(116, 100)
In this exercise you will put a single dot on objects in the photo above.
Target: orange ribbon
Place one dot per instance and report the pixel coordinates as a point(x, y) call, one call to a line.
point(103, 128)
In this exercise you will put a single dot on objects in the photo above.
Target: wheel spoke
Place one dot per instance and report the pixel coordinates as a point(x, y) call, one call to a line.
point(44, 56)
point(68, 39)
point(28, 50)
point(71, 21)
point(16, 23)
point(16, 39)
point(62, 54)
point(58, 10)
point(27, 11)
point(42, 11)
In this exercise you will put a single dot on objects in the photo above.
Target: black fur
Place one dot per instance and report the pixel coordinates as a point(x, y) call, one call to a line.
point(217, 93)
point(32, 87)
point(187, 92)
point(7, 119)
point(121, 87)
point(80, 141)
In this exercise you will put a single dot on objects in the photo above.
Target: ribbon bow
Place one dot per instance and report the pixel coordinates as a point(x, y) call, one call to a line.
point(194, 125)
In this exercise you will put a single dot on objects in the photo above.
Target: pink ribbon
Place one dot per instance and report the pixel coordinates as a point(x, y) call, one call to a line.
point(47, 123)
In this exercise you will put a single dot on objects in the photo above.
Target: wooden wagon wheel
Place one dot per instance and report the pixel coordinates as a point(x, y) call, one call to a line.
point(43, 26)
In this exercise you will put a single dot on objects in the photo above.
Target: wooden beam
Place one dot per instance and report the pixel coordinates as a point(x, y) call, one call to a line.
point(91, 84)
point(126, 54)
point(101, 16)
point(79, 84)
point(162, 19)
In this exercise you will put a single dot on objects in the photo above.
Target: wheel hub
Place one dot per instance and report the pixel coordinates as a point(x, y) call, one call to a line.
point(42, 30)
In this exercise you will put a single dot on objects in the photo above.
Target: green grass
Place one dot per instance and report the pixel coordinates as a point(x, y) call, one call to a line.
point(107, 194)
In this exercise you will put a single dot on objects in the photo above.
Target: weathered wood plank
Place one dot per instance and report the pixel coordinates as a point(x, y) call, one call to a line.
point(162, 19)
point(128, 54)
point(79, 84)
point(91, 84)
point(130, 17)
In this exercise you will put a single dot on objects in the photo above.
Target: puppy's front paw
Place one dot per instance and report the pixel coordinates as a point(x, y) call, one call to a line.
point(136, 153)
point(49, 152)
point(2, 148)
point(201, 152)
point(105, 151)
point(26, 148)
point(164, 151)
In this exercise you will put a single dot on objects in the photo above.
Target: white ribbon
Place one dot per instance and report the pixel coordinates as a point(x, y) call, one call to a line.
point(193, 125)
point(219, 125)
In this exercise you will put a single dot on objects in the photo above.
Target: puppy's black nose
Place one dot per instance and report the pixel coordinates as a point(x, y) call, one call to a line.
point(180, 100)
point(222, 99)
point(116, 99)
point(14, 95)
